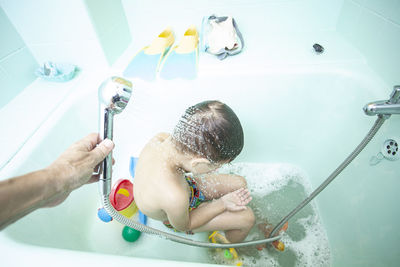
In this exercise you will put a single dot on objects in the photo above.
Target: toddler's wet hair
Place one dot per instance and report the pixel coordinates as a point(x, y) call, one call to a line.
point(210, 129)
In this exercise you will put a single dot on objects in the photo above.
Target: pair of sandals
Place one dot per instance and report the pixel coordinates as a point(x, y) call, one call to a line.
point(161, 57)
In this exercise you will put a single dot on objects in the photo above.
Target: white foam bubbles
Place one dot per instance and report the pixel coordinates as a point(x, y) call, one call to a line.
point(276, 189)
point(263, 179)
point(313, 249)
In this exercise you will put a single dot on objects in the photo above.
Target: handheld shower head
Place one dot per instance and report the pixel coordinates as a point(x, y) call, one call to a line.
point(114, 95)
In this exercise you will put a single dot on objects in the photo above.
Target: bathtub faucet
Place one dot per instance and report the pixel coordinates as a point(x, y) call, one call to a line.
point(385, 108)
point(114, 95)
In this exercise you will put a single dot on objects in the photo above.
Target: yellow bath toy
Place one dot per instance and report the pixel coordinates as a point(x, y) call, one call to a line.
point(229, 254)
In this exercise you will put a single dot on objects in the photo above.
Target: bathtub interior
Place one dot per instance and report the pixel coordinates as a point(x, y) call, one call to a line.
point(291, 120)
point(297, 108)
point(312, 120)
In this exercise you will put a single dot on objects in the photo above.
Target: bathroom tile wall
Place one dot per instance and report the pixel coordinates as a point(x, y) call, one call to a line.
point(111, 26)
point(59, 31)
point(373, 26)
point(258, 20)
point(16, 61)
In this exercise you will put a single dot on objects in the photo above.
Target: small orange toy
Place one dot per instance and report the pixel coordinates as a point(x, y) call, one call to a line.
point(267, 229)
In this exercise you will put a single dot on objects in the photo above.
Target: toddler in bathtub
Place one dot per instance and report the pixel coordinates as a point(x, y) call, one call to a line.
point(173, 180)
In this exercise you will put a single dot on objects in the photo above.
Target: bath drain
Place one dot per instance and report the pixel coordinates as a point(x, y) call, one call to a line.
point(389, 151)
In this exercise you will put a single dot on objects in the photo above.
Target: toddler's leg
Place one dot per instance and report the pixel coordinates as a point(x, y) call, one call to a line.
point(236, 224)
point(214, 186)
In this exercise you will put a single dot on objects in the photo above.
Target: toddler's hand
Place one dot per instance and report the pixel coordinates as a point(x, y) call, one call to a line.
point(237, 200)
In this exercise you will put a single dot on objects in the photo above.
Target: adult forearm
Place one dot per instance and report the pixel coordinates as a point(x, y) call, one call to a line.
point(24, 194)
point(50, 186)
point(205, 212)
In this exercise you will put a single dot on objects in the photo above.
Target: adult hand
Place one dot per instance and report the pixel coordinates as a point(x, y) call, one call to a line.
point(50, 186)
point(76, 165)
point(237, 200)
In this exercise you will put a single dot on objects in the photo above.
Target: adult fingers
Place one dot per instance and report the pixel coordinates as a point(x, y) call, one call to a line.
point(93, 179)
point(89, 142)
point(98, 169)
point(102, 150)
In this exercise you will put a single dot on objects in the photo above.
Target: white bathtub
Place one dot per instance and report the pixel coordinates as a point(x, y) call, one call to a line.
point(308, 115)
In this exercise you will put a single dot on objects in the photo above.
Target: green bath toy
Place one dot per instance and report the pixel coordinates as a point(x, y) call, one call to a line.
point(227, 254)
point(130, 234)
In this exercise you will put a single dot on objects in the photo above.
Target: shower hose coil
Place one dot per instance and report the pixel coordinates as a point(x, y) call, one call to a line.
point(149, 230)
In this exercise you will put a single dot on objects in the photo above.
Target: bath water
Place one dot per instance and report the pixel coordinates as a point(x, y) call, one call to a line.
point(277, 189)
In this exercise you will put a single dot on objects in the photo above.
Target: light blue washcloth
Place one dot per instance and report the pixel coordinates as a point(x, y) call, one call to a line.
point(56, 72)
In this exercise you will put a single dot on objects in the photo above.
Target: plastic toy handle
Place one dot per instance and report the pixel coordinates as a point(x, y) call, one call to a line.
point(123, 191)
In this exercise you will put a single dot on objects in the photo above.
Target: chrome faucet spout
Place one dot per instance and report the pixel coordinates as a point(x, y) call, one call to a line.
point(395, 95)
point(385, 107)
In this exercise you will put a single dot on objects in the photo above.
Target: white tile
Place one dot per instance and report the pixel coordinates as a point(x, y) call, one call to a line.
point(348, 19)
point(368, 33)
point(47, 21)
point(389, 9)
point(252, 16)
point(25, 113)
point(387, 55)
point(84, 54)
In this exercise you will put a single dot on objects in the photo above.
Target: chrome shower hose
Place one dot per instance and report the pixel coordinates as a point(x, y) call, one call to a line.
point(378, 123)
point(149, 230)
